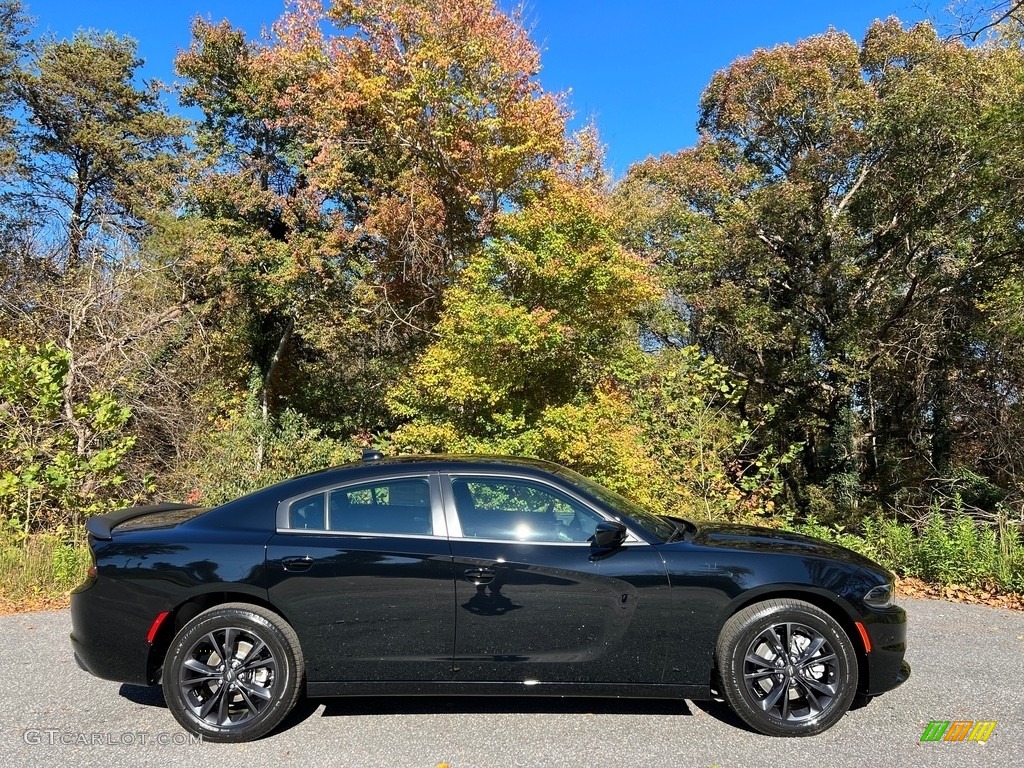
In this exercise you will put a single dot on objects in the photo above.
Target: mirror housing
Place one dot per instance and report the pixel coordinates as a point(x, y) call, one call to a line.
point(609, 534)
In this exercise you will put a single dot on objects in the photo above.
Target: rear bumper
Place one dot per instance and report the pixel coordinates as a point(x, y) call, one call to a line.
point(108, 637)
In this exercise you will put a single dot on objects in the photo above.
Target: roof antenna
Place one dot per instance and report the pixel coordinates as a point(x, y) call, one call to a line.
point(372, 454)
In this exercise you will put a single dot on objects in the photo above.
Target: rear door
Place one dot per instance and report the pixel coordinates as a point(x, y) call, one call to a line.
point(535, 602)
point(363, 572)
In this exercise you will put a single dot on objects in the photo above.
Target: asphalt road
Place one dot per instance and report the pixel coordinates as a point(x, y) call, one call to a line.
point(968, 664)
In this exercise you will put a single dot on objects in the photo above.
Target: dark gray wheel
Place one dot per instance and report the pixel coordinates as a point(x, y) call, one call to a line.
point(233, 673)
point(786, 667)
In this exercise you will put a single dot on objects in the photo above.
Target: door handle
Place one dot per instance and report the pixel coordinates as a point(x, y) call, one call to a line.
point(479, 576)
point(295, 564)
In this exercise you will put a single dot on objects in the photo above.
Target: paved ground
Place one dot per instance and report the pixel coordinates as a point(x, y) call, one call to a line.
point(968, 665)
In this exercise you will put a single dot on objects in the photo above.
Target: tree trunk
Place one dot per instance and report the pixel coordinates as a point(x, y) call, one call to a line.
point(275, 361)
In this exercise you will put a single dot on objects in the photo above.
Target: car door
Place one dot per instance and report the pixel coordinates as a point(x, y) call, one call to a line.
point(536, 602)
point(363, 573)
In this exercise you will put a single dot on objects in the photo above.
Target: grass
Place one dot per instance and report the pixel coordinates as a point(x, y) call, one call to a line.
point(39, 571)
point(947, 548)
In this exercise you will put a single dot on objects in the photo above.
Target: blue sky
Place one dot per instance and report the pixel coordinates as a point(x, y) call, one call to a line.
point(637, 68)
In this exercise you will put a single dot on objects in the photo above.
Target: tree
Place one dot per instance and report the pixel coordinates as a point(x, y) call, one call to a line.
point(13, 30)
point(97, 149)
point(350, 176)
point(827, 239)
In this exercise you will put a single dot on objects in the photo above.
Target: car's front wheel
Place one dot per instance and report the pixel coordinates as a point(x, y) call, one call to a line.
point(786, 667)
point(233, 673)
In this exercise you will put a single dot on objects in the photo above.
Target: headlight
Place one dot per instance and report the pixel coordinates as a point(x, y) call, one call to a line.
point(882, 596)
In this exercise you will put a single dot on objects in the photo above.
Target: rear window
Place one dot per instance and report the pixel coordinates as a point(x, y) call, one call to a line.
point(163, 519)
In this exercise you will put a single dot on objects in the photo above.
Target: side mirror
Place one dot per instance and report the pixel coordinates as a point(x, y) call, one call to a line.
point(609, 534)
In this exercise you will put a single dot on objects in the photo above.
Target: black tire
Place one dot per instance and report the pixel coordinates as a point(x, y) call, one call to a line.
point(233, 673)
point(803, 691)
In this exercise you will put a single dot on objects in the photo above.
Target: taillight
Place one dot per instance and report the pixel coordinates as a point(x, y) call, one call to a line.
point(91, 573)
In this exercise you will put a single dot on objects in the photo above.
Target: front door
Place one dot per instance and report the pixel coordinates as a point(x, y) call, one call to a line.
point(535, 602)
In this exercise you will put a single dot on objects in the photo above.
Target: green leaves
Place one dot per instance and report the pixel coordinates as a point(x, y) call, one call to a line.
point(46, 477)
point(535, 319)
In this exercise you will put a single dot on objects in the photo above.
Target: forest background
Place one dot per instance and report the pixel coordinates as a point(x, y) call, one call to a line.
point(381, 232)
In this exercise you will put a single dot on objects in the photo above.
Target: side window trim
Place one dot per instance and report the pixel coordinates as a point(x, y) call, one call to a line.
point(438, 518)
point(455, 526)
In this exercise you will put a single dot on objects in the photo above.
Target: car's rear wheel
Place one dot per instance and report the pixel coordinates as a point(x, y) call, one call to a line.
point(233, 673)
point(786, 667)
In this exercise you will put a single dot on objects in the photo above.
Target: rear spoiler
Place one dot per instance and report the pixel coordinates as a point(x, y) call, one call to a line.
point(100, 526)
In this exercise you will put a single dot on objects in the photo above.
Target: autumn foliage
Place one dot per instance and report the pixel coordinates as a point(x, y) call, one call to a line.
point(380, 230)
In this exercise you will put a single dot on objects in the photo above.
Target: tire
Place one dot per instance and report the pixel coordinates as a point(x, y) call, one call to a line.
point(245, 698)
point(805, 691)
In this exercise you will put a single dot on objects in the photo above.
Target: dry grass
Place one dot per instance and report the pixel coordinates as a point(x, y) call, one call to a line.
point(39, 572)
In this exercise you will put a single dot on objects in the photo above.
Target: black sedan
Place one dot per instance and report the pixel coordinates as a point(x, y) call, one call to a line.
point(442, 575)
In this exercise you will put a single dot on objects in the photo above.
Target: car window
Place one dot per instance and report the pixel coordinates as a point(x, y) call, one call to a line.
point(520, 510)
point(390, 506)
point(307, 513)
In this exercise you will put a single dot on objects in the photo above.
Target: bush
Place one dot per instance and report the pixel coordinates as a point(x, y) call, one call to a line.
point(950, 548)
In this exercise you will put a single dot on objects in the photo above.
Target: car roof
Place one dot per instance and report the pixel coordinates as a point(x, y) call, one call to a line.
point(377, 467)
point(445, 462)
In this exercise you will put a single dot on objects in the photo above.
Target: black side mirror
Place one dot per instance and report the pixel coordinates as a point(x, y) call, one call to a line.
point(609, 534)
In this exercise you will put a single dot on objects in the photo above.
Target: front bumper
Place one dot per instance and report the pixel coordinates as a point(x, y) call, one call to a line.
point(886, 666)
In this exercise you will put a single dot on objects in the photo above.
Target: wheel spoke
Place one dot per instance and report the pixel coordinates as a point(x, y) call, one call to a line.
point(811, 649)
point(256, 690)
point(211, 702)
point(785, 701)
point(223, 716)
point(812, 699)
point(820, 660)
point(230, 643)
point(254, 652)
point(826, 688)
point(769, 701)
point(203, 672)
point(771, 640)
point(249, 703)
point(217, 647)
point(759, 675)
point(760, 661)
point(255, 663)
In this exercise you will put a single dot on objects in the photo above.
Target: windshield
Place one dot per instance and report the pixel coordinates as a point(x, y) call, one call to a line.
point(652, 523)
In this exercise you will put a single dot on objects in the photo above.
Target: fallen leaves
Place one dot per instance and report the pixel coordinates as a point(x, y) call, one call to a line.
point(30, 603)
point(958, 593)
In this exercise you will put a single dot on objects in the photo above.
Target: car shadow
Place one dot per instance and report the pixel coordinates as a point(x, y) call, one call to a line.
point(496, 705)
point(147, 695)
point(354, 706)
point(718, 709)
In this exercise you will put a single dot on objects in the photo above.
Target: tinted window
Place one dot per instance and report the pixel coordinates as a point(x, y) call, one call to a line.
point(392, 506)
point(307, 513)
point(519, 510)
point(652, 523)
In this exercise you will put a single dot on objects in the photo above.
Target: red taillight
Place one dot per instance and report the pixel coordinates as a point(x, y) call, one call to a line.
point(155, 626)
point(91, 573)
point(864, 637)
